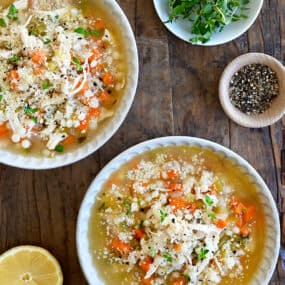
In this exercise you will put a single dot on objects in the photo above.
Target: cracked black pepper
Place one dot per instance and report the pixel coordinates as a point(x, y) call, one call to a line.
point(253, 88)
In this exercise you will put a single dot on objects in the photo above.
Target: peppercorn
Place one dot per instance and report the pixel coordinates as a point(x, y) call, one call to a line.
point(253, 88)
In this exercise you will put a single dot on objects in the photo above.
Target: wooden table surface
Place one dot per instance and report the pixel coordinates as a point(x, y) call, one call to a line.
point(177, 95)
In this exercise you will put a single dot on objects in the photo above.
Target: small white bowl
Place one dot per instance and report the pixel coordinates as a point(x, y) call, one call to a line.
point(277, 109)
point(271, 231)
point(182, 28)
point(110, 126)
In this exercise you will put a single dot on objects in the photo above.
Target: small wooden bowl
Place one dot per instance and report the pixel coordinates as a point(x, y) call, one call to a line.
point(277, 109)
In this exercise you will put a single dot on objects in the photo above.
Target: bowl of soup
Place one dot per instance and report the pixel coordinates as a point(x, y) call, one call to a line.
point(178, 210)
point(68, 77)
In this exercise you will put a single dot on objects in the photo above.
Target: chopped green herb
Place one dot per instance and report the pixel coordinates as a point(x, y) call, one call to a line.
point(82, 139)
point(94, 33)
point(47, 41)
point(152, 252)
point(59, 148)
point(1, 98)
point(163, 215)
point(3, 23)
point(127, 204)
point(77, 63)
point(35, 120)
point(46, 85)
point(14, 59)
point(87, 33)
point(209, 201)
point(30, 111)
point(187, 277)
point(102, 206)
point(207, 16)
point(140, 225)
point(167, 256)
point(81, 31)
point(56, 17)
point(13, 13)
point(202, 254)
point(212, 216)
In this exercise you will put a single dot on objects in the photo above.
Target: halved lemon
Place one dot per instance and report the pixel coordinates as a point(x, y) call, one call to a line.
point(29, 265)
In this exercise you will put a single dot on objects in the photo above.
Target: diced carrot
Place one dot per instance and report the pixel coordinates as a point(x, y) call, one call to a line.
point(99, 24)
point(177, 246)
point(105, 98)
point(98, 67)
point(39, 57)
point(84, 88)
point(13, 75)
point(177, 203)
point(94, 112)
point(120, 246)
point(3, 130)
point(249, 214)
point(147, 281)
point(175, 187)
point(139, 233)
point(244, 230)
point(172, 174)
point(146, 263)
point(96, 54)
point(108, 78)
point(38, 71)
point(221, 224)
point(69, 140)
point(180, 281)
point(84, 125)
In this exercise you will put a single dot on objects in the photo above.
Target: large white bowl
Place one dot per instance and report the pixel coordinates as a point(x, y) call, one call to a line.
point(182, 28)
point(271, 231)
point(112, 125)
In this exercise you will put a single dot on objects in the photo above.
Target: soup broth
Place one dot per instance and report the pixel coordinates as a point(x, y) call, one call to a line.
point(64, 100)
point(148, 222)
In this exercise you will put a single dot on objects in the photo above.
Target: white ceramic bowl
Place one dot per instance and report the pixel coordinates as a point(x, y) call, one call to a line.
point(182, 28)
point(112, 125)
point(272, 230)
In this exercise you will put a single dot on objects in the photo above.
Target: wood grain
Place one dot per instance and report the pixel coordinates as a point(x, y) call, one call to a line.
point(177, 94)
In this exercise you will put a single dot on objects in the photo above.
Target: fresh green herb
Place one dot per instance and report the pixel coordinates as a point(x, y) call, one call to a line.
point(209, 201)
point(81, 31)
point(1, 98)
point(35, 120)
point(152, 252)
point(167, 256)
point(82, 139)
point(87, 33)
point(102, 206)
point(56, 17)
point(187, 277)
point(212, 216)
point(127, 204)
point(30, 111)
point(77, 63)
point(59, 148)
point(46, 85)
point(94, 33)
point(14, 59)
point(13, 13)
point(207, 16)
point(202, 254)
point(163, 215)
point(47, 41)
point(140, 225)
point(3, 23)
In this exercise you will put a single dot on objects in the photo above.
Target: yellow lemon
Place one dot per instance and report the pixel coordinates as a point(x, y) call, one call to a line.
point(29, 265)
